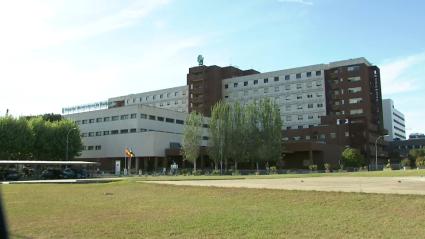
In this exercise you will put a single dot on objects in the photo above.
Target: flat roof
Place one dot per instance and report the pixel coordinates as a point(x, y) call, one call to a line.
point(48, 162)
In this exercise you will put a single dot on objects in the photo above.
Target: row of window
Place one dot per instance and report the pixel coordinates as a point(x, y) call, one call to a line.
point(289, 118)
point(293, 96)
point(350, 90)
point(126, 131)
point(287, 86)
point(352, 112)
point(349, 79)
point(158, 97)
point(276, 79)
point(129, 116)
point(302, 107)
point(350, 101)
point(321, 137)
point(92, 147)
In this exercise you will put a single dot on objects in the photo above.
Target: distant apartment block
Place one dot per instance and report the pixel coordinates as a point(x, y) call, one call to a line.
point(394, 121)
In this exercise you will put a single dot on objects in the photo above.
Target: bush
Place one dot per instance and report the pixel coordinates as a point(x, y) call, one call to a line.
point(420, 162)
point(197, 172)
point(273, 170)
point(327, 167)
point(184, 171)
point(352, 158)
point(215, 172)
point(405, 162)
point(312, 167)
point(236, 172)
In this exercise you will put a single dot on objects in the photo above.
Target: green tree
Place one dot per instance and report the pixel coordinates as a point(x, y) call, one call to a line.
point(16, 139)
point(192, 136)
point(417, 156)
point(352, 158)
point(219, 133)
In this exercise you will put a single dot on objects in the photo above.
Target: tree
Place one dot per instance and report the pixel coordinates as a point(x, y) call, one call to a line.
point(352, 158)
point(417, 156)
point(16, 139)
point(192, 136)
point(219, 133)
point(270, 132)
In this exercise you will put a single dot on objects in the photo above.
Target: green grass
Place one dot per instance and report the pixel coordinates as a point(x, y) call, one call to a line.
point(393, 173)
point(139, 210)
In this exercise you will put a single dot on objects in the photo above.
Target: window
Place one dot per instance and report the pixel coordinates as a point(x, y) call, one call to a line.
point(90, 148)
point(226, 96)
point(204, 138)
point(318, 83)
point(300, 127)
point(288, 108)
point(84, 135)
point(309, 85)
point(354, 79)
point(356, 111)
point(299, 107)
point(91, 134)
point(133, 130)
point(310, 117)
point(309, 74)
point(124, 117)
point(98, 120)
point(255, 82)
point(175, 93)
point(354, 89)
point(105, 132)
point(133, 116)
point(84, 121)
point(245, 83)
point(152, 117)
point(115, 118)
point(319, 105)
point(266, 80)
point(153, 97)
point(309, 96)
point(143, 116)
point(333, 135)
point(159, 118)
point(143, 130)
point(78, 122)
point(226, 86)
point(300, 117)
point(91, 121)
point(205, 126)
point(98, 133)
point(124, 131)
point(115, 131)
point(276, 78)
point(353, 68)
point(176, 102)
point(288, 118)
point(310, 106)
point(106, 119)
point(179, 121)
point(168, 95)
point(161, 96)
point(319, 95)
point(235, 85)
point(288, 127)
point(355, 100)
point(299, 86)
point(347, 134)
point(298, 76)
point(98, 147)
point(169, 120)
point(287, 77)
point(318, 73)
point(299, 97)
point(266, 90)
point(287, 87)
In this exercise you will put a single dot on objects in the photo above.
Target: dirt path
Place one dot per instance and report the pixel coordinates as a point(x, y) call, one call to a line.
point(389, 185)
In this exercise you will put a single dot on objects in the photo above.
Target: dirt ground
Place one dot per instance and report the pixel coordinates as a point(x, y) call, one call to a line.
point(388, 185)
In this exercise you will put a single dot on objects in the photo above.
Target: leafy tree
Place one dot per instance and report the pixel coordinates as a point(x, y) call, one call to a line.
point(352, 158)
point(192, 136)
point(219, 133)
point(16, 139)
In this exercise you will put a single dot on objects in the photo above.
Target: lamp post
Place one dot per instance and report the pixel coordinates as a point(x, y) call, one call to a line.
point(67, 142)
point(376, 150)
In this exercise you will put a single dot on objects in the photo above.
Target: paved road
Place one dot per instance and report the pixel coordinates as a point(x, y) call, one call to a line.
point(389, 185)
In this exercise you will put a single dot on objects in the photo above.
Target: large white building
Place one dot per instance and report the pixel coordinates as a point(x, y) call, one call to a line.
point(394, 121)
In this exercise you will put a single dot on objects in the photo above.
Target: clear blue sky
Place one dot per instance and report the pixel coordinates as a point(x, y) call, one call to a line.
point(62, 53)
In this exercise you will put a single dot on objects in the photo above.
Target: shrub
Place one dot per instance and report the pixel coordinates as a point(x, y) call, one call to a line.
point(420, 162)
point(352, 158)
point(312, 167)
point(405, 162)
point(197, 172)
point(273, 170)
point(327, 167)
point(215, 172)
point(184, 171)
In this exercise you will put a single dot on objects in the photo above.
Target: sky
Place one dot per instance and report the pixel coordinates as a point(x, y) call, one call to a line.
point(58, 53)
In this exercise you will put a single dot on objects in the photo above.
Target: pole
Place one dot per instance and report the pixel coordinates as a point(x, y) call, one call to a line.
point(67, 142)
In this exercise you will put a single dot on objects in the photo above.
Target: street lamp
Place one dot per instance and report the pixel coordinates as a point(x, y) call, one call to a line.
point(376, 150)
point(67, 142)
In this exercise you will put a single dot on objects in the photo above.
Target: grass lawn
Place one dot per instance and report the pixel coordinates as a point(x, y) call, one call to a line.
point(130, 209)
point(393, 173)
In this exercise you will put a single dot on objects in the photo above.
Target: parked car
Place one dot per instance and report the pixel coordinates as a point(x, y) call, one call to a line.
point(10, 175)
point(69, 173)
point(51, 174)
point(81, 173)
